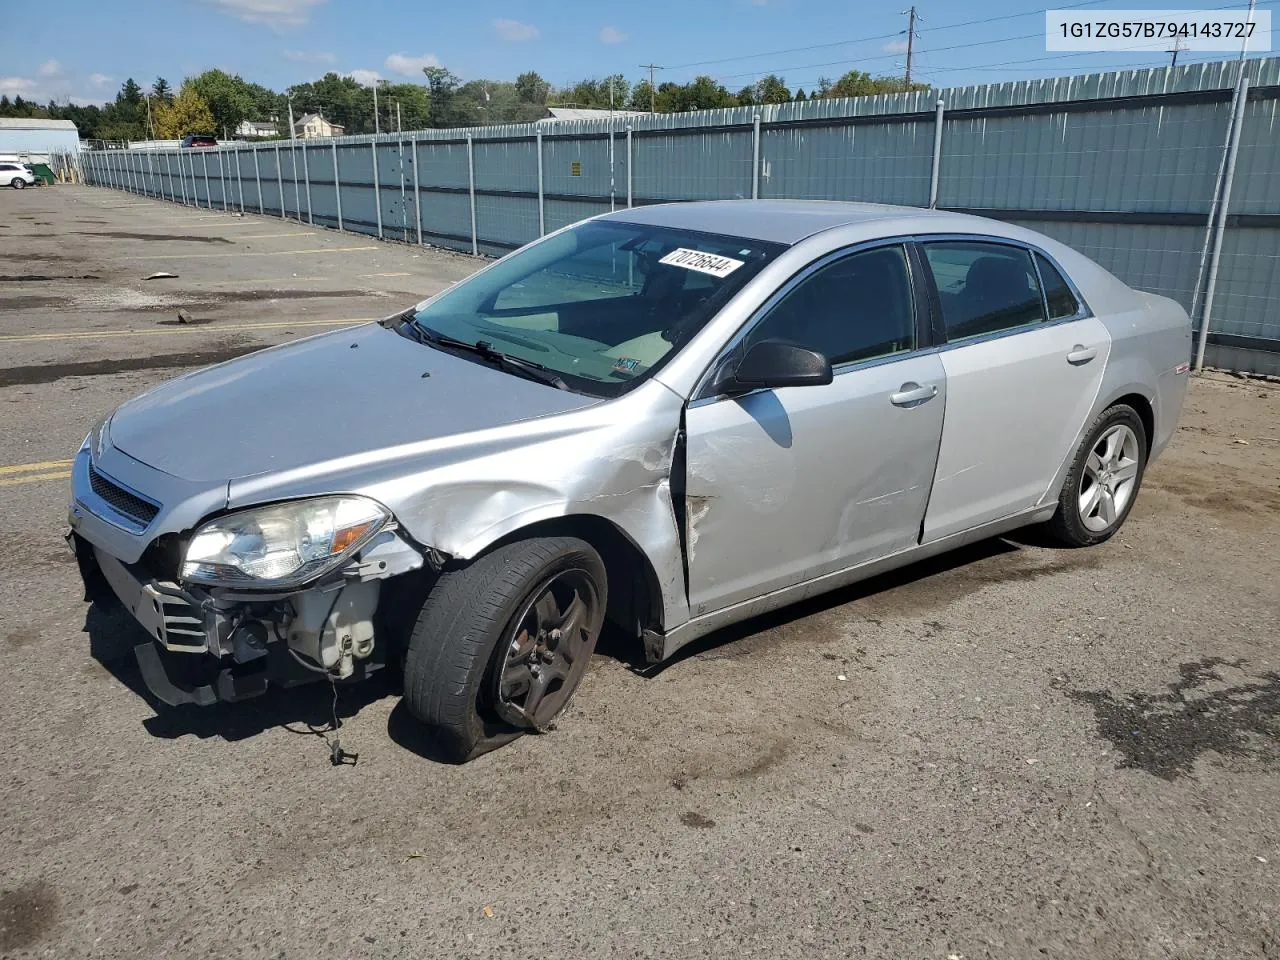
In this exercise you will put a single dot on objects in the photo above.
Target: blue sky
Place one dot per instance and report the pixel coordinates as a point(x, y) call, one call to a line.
point(83, 49)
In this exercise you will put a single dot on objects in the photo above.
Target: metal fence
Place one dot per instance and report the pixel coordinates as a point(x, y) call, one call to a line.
point(1147, 171)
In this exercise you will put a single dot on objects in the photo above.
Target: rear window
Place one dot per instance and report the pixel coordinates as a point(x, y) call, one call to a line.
point(1062, 302)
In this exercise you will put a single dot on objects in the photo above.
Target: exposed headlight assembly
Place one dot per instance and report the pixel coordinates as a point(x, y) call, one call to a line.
point(284, 545)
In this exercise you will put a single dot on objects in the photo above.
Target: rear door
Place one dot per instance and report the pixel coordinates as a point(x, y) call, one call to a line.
point(786, 485)
point(1023, 361)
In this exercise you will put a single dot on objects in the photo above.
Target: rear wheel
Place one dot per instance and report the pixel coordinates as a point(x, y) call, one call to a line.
point(1104, 479)
point(501, 645)
point(18, 183)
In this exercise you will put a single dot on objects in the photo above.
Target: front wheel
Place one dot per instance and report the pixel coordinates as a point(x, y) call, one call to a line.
point(18, 183)
point(1104, 479)
point(501, 645)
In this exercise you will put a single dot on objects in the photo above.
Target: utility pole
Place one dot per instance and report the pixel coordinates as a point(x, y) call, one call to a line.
point(375, 108)
point(398, 127)
point(293, 134)
point(653, 90)
point(911, 40)
point(1177, 48)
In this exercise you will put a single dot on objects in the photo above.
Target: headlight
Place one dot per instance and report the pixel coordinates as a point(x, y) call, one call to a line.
point(283, 545)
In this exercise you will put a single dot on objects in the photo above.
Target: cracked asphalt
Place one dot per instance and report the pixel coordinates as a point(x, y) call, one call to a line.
point(1013, 751)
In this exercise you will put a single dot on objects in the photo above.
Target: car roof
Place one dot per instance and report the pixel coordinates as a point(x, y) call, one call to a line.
point(790, 221)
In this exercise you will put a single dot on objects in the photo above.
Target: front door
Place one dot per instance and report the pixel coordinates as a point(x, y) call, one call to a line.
point(789, 484)
point(1022, 373)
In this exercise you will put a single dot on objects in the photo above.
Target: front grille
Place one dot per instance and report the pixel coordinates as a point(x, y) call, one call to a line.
point(123, 501)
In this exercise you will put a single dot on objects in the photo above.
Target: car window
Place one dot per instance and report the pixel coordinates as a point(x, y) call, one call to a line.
point(984, 287)
point(7, 166)
point(1062, 302)
point(602, 304)
point(856, 308)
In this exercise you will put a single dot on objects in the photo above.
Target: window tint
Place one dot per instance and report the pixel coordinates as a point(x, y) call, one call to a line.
point(1062, 302)
point(984, 287)
point(856, 308)
point(7, 166)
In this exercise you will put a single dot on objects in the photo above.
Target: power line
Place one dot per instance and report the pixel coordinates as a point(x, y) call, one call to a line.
point(911, 37)
point(882, 36)
point(653, 95)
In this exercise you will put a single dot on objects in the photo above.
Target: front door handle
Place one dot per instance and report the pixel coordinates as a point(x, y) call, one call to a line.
point(1081, 354)
point(912, 394)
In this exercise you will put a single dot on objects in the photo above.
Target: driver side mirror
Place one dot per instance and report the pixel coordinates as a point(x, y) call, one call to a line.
point(771, 364)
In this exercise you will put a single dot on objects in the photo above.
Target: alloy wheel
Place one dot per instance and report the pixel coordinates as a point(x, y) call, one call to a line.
point(547, 649)
point(1110, 478)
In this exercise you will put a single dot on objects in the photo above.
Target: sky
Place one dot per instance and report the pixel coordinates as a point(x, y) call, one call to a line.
point(84, 49)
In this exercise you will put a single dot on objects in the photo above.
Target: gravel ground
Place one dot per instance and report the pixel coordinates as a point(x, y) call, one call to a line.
point(1012, 751)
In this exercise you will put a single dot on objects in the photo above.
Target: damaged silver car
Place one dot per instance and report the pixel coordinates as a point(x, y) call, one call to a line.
point(672, 417)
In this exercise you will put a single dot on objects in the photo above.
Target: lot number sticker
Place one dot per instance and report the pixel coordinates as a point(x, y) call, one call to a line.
point(711, 263)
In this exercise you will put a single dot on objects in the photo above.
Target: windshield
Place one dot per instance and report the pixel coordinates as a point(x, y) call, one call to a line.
point(603, 304)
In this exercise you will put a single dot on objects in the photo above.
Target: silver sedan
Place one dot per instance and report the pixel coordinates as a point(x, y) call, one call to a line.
point(670, 418)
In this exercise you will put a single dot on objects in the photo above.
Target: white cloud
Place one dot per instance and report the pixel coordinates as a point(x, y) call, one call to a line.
point(99, 79)
point(50, 68)
point(366, 78)
point(611, 35)
point(408, 66)
point(310, 56)
point(514, 31)
point(275, 13)
point(895, 46)
point(16, 87)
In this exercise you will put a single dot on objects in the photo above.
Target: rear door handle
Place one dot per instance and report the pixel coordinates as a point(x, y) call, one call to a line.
point(912, 394)
point(1081, 354)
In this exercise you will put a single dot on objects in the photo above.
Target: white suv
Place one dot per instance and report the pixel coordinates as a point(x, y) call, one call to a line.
point(17, 175)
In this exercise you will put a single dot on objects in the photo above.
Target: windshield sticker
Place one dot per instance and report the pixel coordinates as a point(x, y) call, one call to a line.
point(711, 263)
point(625, 365)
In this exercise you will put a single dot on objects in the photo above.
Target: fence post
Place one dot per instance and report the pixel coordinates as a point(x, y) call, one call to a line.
point(306, 179)
point(755, 157)
point(133, 177)
point(257, 177)
point(630, 157)
point(208, 193)
point(937, 154)
point(417, 196)
point(239, 181)
point(337, 187)
point(471, 181)
point(377, 186)
point(1233, 145)
point(542, 212)
point(222, 179)
point(168, 163)
point(280, 180)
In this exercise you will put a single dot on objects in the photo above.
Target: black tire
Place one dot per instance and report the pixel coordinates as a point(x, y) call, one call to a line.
point(18, 183)
point(465, 632)
point(1067, 525)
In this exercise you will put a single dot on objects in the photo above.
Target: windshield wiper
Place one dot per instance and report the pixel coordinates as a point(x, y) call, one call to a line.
point(486, 351)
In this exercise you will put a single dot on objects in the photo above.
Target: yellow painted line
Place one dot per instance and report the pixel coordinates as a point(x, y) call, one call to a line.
point(255, 253)
point(153, 332)
point(35, 478)
point(28, 467)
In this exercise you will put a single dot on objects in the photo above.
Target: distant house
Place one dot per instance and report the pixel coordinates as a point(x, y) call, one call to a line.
point(312, 125)
point(250, 129)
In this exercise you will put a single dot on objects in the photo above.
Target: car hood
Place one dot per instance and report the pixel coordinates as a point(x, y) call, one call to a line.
point(339, 394)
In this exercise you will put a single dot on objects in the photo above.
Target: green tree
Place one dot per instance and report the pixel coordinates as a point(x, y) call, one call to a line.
point(447, 109)
point(228, 97)
point(160, 90)
point(701, 93)
point(642, 96)
point(800, 96)
point(771, 89)
point(531, 88)
point(858, 83)
point(185, 114)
